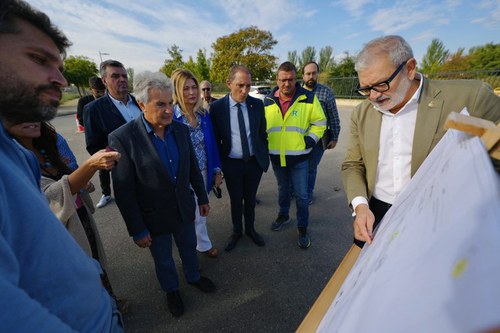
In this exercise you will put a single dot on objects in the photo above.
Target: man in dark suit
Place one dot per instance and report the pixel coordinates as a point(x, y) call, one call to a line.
point(106, 114)
point(240, 132)
point(152, 186)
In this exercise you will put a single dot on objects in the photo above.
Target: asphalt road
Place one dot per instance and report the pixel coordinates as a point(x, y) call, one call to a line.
point(259, 289)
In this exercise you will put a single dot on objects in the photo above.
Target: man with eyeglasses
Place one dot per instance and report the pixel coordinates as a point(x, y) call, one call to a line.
point(206, 94)
point(393, 131)
point(295, 122)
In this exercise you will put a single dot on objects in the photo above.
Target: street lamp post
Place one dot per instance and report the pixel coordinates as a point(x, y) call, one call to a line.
point(101, 54)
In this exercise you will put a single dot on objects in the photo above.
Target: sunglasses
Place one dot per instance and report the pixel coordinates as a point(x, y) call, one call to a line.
point(205, 89)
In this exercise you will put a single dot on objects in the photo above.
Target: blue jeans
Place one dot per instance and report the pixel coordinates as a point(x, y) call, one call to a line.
point(296, 176)
point(316, 155)
point(161, 250)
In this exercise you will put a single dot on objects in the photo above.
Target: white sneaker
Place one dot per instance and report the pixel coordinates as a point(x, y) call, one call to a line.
point(105, 199)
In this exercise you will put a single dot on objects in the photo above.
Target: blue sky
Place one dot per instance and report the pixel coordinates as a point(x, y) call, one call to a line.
point(138, 33)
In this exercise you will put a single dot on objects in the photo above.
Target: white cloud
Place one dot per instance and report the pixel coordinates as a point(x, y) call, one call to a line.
point(492, 18)
point(356, 8)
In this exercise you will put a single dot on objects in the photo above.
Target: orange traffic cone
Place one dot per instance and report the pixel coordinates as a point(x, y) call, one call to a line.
point(79, 128)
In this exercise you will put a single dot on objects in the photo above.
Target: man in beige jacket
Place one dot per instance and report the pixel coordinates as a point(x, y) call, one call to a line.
point(393, 131)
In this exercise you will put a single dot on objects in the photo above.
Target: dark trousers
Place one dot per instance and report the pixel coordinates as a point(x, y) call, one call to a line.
point(105, 180)
point(378, 208)
point(161, 250)
point(242, 181)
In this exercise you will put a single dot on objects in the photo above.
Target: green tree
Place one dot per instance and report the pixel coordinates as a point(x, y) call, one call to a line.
point(434, 58)
point(78, 70)
point(130, 73)
point(485, 57)
point(248, 46)
point(174, 62)
point(202, 66)
point(457, 62)
point(191, 66)
point(308, 54)
point(345, 68)
point(326, 61)
point(293, 58)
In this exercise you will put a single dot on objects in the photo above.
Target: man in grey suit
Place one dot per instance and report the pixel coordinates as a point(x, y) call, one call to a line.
point(152, 186)
point(393, 131)
point(240, 132)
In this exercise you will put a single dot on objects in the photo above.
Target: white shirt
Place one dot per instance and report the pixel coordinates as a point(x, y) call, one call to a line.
point(395, 151)
point(236, 150)
point(129, 111)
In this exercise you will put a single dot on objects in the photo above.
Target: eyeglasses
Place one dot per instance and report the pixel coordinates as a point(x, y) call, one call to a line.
point(205, 89)
point(287, 80)
point(381, 86)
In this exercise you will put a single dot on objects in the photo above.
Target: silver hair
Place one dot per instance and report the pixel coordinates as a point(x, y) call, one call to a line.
point(393, 46)
point(145, 81)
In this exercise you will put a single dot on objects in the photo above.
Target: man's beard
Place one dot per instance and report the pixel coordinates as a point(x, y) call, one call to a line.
point(311, 84)
point(397, 97)
point(20, 102)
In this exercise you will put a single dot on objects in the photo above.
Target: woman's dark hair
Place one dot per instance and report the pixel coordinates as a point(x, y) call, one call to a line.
point(48, 142)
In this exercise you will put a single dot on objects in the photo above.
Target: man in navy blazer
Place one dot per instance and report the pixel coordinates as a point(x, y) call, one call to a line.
point(240, 132)
point(106, 114)
point(153, 184)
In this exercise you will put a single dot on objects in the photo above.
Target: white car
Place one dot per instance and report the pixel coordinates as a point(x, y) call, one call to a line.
point(259, 91)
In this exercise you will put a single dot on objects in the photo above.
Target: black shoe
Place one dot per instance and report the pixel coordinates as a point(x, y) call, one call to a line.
point(257, 239)
point(304, 240)
point(204, 284)
point(174, 302)
point(231, 242)
point(280, 222)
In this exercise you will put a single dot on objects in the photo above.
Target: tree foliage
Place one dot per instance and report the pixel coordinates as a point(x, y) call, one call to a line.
point(326, 61)
point(191, 66)
point(130, 73)
point(78, 70)
point(248, 46)
point(293, 58)
point(308, 54)
point(485, 57)
point(345, 68)
point(435, 57)
point(202, 66)
point(173, 62)
point(456, 62)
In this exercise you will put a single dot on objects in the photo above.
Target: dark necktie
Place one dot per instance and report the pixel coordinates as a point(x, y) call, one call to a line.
point(243, 134)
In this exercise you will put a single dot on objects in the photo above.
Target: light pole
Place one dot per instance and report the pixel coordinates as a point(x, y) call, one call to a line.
point(101, 54)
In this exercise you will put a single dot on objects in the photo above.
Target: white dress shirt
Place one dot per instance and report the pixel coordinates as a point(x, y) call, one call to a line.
point(236, 149)
point(129, 111)
point(395, 151)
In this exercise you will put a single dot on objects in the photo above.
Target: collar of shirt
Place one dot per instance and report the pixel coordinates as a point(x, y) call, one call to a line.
point(118, 102)
point(232, 103)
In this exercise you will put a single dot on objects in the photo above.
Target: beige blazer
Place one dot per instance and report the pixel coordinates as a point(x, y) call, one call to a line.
point(437, 100)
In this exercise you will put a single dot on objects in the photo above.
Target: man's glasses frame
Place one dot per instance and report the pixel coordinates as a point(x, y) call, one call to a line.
point(381, 86)
point(205, 89)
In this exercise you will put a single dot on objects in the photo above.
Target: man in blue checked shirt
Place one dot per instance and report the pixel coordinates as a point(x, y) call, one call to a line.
point(329, 140)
